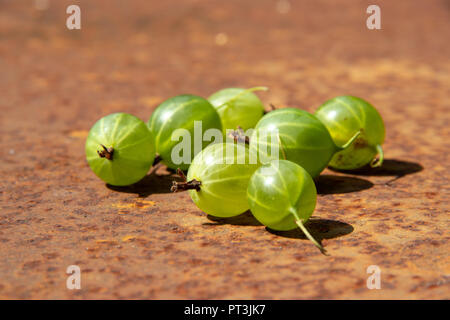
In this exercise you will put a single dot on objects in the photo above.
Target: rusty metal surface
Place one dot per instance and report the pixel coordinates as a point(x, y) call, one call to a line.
point(142, 241)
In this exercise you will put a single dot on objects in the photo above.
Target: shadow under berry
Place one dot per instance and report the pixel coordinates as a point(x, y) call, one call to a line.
point(150, 184)
point(334, 184)
point(390, 167)
point(244, 219)
point(319, 228)
point(331, 184)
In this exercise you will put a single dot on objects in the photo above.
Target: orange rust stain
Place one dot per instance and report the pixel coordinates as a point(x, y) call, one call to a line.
point(79, 134)
point(150, 101)
point(141, 204)
point(128, 238)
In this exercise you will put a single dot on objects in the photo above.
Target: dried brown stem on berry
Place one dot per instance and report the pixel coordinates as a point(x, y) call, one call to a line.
point(239, 136)
point(185, 185)
point(272, 108)
point(106, 153)
point(157, 160)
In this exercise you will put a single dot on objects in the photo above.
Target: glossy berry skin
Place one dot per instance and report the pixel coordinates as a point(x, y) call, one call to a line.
point(282, 196)
point(303, 139)
point(223, 190)
point(343, 116)
point(238, 107)
point(279, 188)
point(131, 145)
point(180, 112)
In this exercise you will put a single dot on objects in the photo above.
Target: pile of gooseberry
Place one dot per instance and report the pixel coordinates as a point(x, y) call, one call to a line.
point(269, 174)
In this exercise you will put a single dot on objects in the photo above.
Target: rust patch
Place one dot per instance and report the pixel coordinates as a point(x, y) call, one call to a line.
point(360, 143)
point(142, 241)
point(79, 134)
point(126, 208)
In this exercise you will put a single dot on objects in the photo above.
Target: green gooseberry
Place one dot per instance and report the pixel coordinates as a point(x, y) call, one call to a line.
point(238, 107)
point(217, 179)
point(295, 135)
point(343, 116)
point(120, 149)
point(282, 196)
point(182, 112)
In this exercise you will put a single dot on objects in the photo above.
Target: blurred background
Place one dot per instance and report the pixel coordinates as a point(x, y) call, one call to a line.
point(131, 55)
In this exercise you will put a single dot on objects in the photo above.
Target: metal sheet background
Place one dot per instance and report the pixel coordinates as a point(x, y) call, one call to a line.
point(142, 241)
